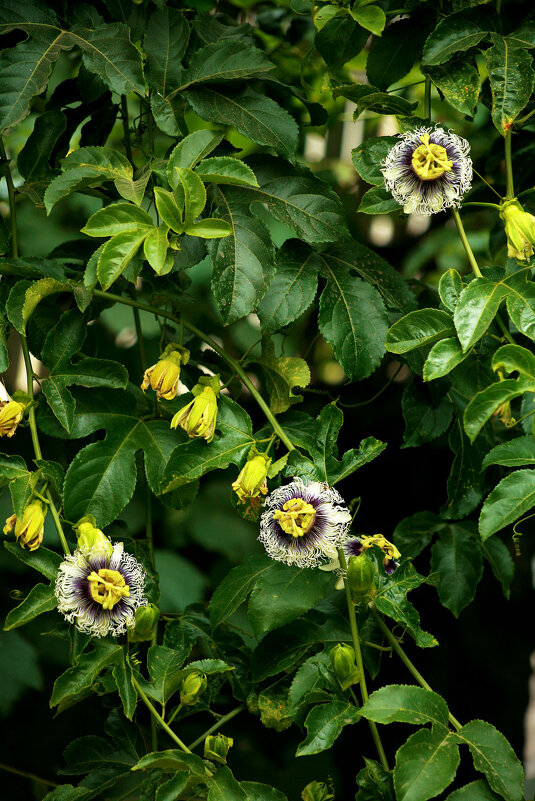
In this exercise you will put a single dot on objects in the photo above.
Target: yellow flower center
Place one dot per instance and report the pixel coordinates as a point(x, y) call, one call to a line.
point(296, 517)
point(430, 161)
point(107, 587)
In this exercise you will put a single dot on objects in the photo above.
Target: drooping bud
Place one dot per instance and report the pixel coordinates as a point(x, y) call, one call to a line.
point(146, 621)
point(504, 415)
point(252, 479)
point(216, 747)
point(198, 418)
point(163, 376)
point(10, 416)
point(519, 230)
point(360, 576)
point(91, 540)
point(343, 663)
point(317, 791)
point(193, 686)
point(30, 528)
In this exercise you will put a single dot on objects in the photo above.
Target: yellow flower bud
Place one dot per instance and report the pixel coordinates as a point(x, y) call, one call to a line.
point(198, 418)
point(252, 479)
point(217, 747)
point(519, 230)
point(163, 376)
point(10, 417)
point(343, 663)
point(192, 687)
point(30, 529)
point(91, 540)
point(146, 620)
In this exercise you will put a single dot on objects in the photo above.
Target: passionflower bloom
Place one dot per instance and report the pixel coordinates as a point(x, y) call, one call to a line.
point(198, 418)
point(163, 376)
point(519, 230)
point(29, 529)
point(428, 170)
point(357, 545)
point(99, 593)
point(303, 524)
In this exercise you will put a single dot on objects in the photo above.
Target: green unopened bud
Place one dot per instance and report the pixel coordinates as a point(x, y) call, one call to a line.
point(317, 791)
point(29, 530)
point(91, 540)
point(519, 230)
point(192, 687)
point(163, 376)
point(360, 576)
point(198, 418)
point(146, 621)
point(252, 480)
point(343, 663)
point(216, 747)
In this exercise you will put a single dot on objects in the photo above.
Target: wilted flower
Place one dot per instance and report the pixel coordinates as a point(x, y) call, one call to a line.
point(163, 376)
point(100, 594)
point(10, 417)
point(198, 417)
point(252, 479)
point(30, 528)
point(519, 230)
point(193, 686)
point(358, 545)
point(304, 524)
point(428, 170)
point(216, 747)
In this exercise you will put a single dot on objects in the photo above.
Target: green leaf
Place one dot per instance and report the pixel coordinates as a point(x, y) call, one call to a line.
point(164, 666)
point(254, 115)
point(293, 288)
point(464, 480)
point(456, 33)
point(519, 451)
point(443, 357)
point(384, 103)
point(155, 248)
point(511, 79)
point(42, 559)
point(19, 665)
point(459, 82)
point(414, 533)
point(168, 209)
point(171, 760)
point(192, 149)
point(236, 586)
point(109, 53)
point(63, 341)
point(352, 318)
point(224, 787)
point(194, 193)
point(324, 725)
point(370, 17)
point(40, 599)
point(261, 792)
point(374, 782)
point(392, 56)
point(450, 288)
point(85, 167)
point(426, 415)
point(524, 36)
point(243, 264)
point(485, 403)
point(499, 558)
point(369, 155)
point(378, 200)
point(425, 765)
point(122, 673)
point(89, 752)
point(82, 675)
point(340, 40)
point(494, 757)
point(33, 161)
point(226, 170)
point(226, 60)
point(283, 593)
point(171, 789)
point(419, 328)
point(282, 375)
point(11, 467)
point(117, 254)
point(508, 501)
point(165, 42)
point(405, 704)
point(25, 296)
point(475, 791)
point(115, 219)
point(456, 557)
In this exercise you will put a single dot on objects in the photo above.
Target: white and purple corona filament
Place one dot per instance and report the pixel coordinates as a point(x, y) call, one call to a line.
point(428, 170)
point(100, 593)
point(303, 524)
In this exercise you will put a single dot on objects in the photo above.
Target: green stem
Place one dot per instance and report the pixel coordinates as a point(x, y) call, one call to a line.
point(510, 188)
point(466, 244)
point(140, 341)
point(126, 128)
point(218, 349)
point(484, 205)
point(407, 662)
point(26, 775)
point(360, 663)
point(36, 445)
point(12, 207)
point(155, 714)
point(217, 725)
point(427, 99)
